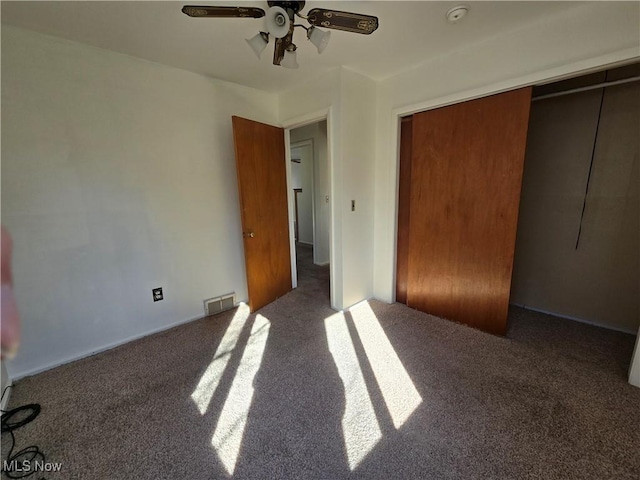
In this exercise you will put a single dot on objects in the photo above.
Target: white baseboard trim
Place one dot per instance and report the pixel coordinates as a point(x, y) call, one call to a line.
point(104, 348)
point(576, 319)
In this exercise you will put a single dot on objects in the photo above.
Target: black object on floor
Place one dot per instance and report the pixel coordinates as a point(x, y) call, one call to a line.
point(18, 465)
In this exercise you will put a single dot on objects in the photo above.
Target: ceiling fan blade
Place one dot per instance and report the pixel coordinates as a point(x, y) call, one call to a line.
point(349, 22)
point(222, 12)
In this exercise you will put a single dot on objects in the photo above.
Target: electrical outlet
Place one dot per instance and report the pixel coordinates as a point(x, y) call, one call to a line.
point(157, 294)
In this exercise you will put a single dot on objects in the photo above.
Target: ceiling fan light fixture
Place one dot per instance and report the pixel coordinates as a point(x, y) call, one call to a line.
point(319, 38)
point(258, 42)
point(278, 22)
point(290, 59)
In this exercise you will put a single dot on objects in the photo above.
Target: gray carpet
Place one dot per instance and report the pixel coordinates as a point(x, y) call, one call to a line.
point(380, 392)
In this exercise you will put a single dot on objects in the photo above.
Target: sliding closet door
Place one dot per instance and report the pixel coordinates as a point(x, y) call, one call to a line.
point(466, 173)
point(404, 201)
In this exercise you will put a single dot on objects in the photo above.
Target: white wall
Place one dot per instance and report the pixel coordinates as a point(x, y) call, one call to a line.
point(5, 380)
point(118, 176)
point(350, 99)
point(357, 170)
point(304, 172)
point(595, 34)
point(317, 132)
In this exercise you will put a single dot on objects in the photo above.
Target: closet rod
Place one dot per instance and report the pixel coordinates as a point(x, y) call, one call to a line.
point(585, 89)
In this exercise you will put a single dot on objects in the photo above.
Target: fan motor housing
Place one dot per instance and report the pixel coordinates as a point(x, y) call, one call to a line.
point(295, 6)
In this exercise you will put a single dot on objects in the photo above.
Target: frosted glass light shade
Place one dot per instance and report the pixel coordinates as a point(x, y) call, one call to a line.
point(258, 43)
point(290, 59)
point(278, 22)
point(319, 38)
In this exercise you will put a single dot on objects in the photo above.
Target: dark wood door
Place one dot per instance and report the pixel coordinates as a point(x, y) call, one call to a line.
point(404, 210)
point(262, 184)
point(466, 174)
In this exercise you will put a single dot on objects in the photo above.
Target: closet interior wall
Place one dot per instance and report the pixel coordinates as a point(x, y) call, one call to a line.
point(577, 251)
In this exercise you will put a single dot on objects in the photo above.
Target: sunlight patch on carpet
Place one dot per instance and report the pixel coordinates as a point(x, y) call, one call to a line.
point(208, 383)
point(360, 426)
point(227, 436)
point(398, 390)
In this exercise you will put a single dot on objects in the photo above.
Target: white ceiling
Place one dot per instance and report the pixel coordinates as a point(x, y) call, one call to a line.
point(410, 33)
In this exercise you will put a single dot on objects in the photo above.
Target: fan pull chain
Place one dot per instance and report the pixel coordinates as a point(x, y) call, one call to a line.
point(593, 154)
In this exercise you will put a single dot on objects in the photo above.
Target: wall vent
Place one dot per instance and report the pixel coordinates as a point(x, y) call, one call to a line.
point(213, 306)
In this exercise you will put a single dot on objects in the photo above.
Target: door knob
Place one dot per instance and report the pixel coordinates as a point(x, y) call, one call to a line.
point(250, 234)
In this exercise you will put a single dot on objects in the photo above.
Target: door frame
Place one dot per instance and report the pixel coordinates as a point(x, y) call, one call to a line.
point(326, 114)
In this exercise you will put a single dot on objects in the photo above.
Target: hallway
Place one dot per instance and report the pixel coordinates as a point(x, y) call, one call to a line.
point(313, 280)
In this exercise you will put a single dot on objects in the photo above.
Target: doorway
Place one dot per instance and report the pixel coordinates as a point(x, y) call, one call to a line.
point(309, 189)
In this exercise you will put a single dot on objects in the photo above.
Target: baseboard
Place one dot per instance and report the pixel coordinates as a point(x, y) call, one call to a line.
point(109, 346)
point(576, 319)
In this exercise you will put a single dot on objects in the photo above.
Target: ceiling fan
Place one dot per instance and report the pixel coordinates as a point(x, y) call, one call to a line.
point(280, 18)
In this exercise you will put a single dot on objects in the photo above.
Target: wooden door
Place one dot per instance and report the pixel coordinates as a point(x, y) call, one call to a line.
point(404, 210)
point(262, 184)
point(466, 174)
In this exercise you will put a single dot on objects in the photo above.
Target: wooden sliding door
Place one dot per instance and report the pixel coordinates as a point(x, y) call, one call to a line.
point(466, 173)
point(404, 201)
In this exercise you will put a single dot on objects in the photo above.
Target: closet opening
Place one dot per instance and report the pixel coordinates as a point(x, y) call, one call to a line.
point(575, 249)
point(577, 252)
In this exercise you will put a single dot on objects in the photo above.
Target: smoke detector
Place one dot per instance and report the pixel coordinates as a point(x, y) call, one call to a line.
point(456, 13)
